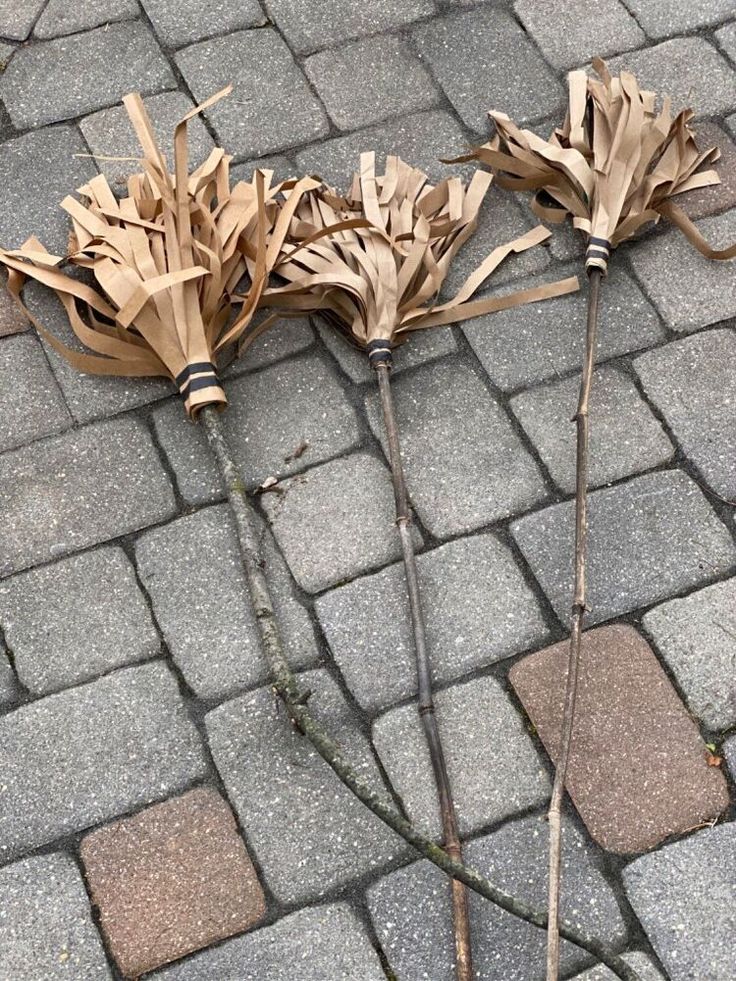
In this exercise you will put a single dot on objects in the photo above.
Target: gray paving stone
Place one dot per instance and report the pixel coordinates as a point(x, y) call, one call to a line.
point(625, 437)
point(500, 220)
point(6, 53)
point(335, 521)
point(567, 33)
point(39, 169)
point(370, 80)
point(8, 681)
point(86, 755)
point(16, 21)
point(177, 24)
point(31, 403)
point(308, 832)
point(649, 538)
point(329, 943)
point(425, 346)
point(478, 609)
point(483, 60)
point(63, 628)
point(693, 384)
point(685, 896)
point(59, 79)
point(271, 106)
point(530, 344)
point(729, 749)
point(667, 17)
point(639, 961)
point(88, 397)
point(110, 134)
point(61, 18)
point(79, 489)
point(695, 635)
point(494, 769)
point(689, 69)
point(281, 166)
point(310, 26)
point(709, 200)
point(287, 337)
point(211, 631)
point(46, 929)
point(421, 140)
point(270, 415)
point(688, 290)
point(411, 908)
point(726, 37)
point(465, 465)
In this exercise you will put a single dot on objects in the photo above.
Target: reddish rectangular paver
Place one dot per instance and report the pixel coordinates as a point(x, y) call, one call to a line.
point(638, 770)
point(171, 880)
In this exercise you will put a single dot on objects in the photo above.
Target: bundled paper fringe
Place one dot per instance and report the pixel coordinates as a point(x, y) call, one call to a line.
point(614, 165)
point(167, 258)
point(374, 261)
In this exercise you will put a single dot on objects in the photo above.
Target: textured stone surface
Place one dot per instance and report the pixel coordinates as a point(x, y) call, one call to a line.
point(672, 17)
point(687, 289)
point(60, 17)
point(310, 26)
point(465, 465)
point(424, 347)
point(693, 384)
point(88, 396)
point(685, 897)
point(39, 169)
point(63, 628)
point(639, 961)
point(282, 168)
point(16, 21)
point(637, 771)
point(30, 401)
point(271, 415)
point(12, 320)
point(494, 770)
point(410, 908)
point(59, 79)
point(271, 106)
point(109, 133)
point(422, 139)
point(707, 200)
point(649, 538)
point(358, 83)
point(328, 943)
point(483, 60)
point(8, 683)
point(477, 607)
point(571, 32)
point(307, 831)
point(335, 521)
point(729, 748)
point(625, 437)
point(67, 760)
point(78, 489)
point(688, 69)
point(171, 880)
point(695, 635)
point(181, 23)
point(285, 338)
point(49, 931)
point(530, 344)
point(193, 573)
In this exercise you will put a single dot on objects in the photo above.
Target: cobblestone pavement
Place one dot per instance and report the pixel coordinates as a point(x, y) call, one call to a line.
point(155, 805)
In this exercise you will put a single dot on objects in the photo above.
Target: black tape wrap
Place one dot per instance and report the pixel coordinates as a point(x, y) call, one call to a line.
point(597, 254)
point(379, 352)
point(206, 377)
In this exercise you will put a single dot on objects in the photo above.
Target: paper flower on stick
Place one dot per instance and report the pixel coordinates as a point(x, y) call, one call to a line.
point(167, 258)
point(613, 167)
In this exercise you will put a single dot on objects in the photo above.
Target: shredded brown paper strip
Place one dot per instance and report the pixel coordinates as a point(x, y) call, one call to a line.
point(168, 258)
point(613, 166)
point(373, 261)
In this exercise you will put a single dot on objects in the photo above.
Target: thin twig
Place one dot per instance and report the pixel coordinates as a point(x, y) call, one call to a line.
point(451, 839)
point(285, 684)
point(578, 614)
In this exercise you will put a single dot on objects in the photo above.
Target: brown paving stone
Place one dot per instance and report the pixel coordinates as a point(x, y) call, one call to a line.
point(171, 880)
point(12, 320)
point(637, 770)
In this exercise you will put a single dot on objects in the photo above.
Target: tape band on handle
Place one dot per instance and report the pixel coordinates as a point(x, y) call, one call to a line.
point(379, 352)
point(195, 377)
point(597, 254)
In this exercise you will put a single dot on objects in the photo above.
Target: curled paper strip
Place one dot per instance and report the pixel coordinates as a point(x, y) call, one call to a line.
point(613, 166)
point(167, 258)
point(373, 261)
